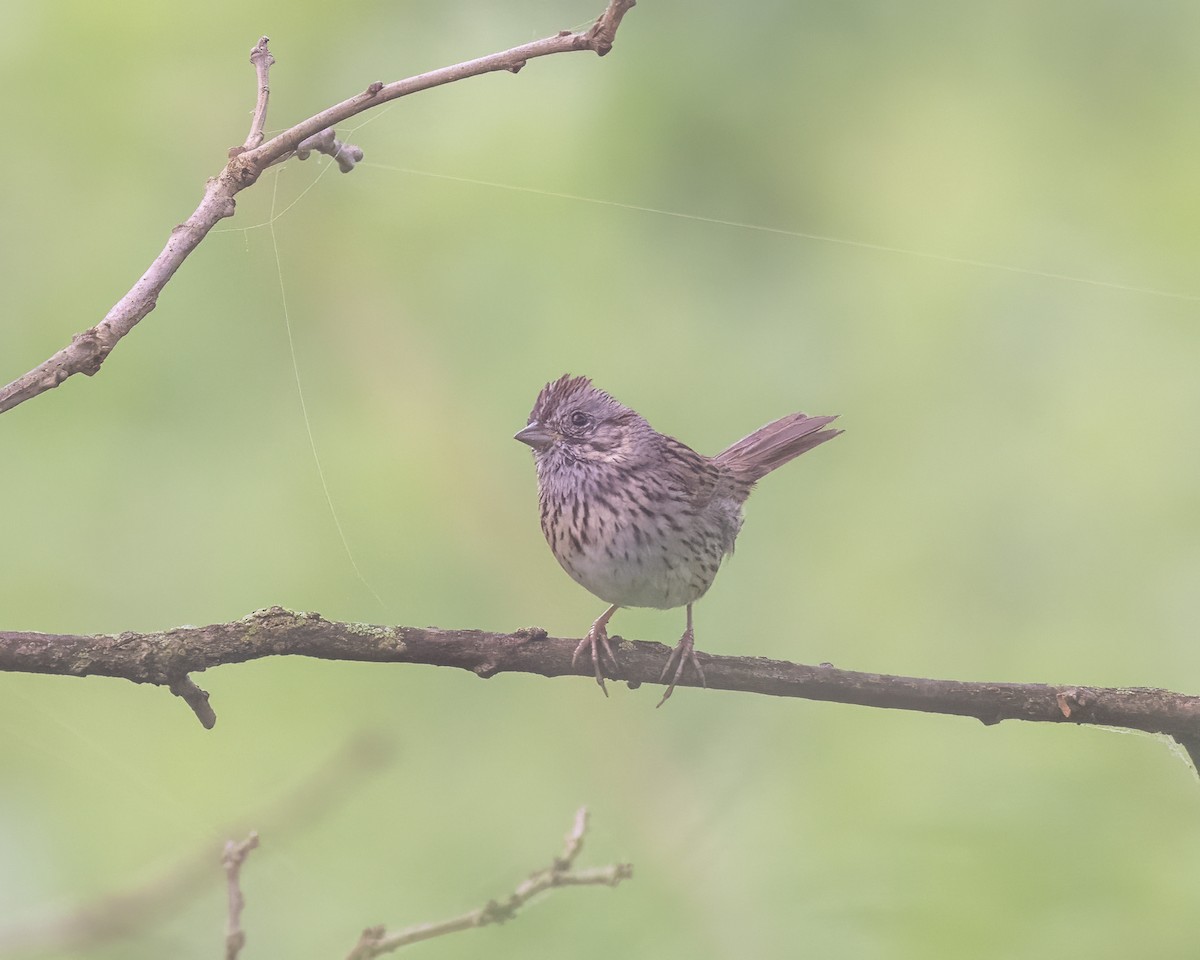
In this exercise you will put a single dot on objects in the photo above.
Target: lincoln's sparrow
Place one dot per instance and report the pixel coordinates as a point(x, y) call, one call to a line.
point(637, 517)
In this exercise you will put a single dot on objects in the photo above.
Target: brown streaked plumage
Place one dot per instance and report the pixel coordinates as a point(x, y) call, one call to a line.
point(638, 518)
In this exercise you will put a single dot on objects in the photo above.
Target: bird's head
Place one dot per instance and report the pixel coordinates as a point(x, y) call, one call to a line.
point(574, 421)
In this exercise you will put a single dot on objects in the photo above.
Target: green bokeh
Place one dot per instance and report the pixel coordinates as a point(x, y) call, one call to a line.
point(1015, 498)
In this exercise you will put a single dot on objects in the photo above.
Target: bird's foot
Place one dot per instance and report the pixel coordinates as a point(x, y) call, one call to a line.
point(596, 642)
point(683, 654)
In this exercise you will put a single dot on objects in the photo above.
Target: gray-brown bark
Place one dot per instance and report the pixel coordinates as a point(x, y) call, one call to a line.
point(169, 657)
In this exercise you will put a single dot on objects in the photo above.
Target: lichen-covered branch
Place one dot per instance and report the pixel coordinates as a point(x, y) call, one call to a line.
point(169, 658)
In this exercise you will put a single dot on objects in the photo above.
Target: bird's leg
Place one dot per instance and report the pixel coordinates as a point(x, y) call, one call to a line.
point(683, 654)
point(597, 641)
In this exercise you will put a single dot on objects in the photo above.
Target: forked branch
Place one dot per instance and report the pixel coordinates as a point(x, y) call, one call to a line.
point(88, 350)
point(121, 916)
point(376, 941)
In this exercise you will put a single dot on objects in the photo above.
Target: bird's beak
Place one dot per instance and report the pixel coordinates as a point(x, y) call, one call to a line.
point(535, 435)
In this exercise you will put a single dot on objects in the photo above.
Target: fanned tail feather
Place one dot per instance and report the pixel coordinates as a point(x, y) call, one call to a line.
point(770, 447)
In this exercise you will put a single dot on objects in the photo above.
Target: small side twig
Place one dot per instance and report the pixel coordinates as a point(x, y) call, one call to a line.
point(232, 859)
point(190, 693)
point(376, 941)
point(262, 60)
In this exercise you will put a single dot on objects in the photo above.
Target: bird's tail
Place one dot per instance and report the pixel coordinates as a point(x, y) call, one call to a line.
point(770, 447)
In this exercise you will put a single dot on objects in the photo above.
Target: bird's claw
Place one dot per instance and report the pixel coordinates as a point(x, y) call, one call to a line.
point(596, 642)
point(683, 654)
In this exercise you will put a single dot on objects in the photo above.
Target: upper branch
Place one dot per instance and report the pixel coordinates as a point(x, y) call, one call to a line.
point(168, 657)
point(598, 38)
point(89, 349)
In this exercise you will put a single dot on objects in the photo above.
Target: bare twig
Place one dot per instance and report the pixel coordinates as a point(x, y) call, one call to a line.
point(232, 859)
point(168, 657)
point(185, 688)
point(118, 916)
point(262, 60)
point(123, 913)
point(376, 941)
point(89, 349)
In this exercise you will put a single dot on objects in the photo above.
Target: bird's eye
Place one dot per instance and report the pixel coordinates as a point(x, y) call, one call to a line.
point(580, 419)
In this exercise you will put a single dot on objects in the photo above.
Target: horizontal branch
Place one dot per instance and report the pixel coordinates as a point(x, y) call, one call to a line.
point(169, 657)
point(88, 350)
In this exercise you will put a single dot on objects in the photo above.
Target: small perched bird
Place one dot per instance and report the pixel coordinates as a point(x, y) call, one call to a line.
point(638, 518)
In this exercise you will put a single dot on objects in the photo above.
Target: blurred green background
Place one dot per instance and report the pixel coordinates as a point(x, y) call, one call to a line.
point(1016, 497)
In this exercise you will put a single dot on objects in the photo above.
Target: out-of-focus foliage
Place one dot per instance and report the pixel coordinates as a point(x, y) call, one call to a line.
point(1015, 496)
